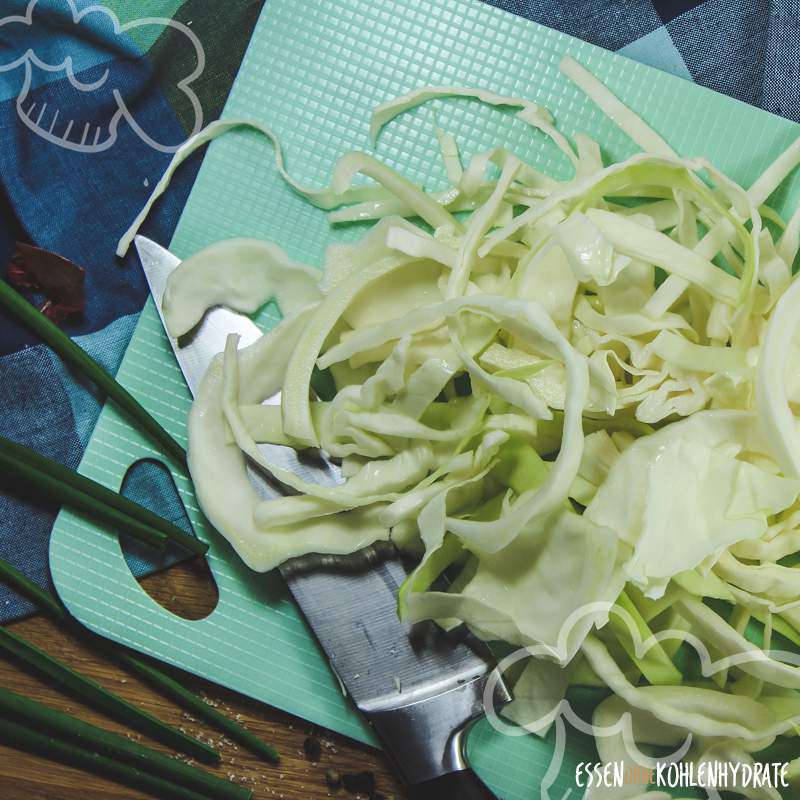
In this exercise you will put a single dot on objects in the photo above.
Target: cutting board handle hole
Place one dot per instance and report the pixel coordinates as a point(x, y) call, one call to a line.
point(149, 483)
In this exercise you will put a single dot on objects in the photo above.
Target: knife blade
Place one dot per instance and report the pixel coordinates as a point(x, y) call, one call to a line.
point(418, 686)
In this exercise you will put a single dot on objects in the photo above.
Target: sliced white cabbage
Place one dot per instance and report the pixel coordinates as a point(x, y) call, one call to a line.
point(562, 396)
point(589, 252)
point(214, 462)
point(677, 500)
point(531, 573)
point(708, 712)
point(654, 247)
point(388, 111)
point(242, 274)
point(633, 125)
point(777, 418)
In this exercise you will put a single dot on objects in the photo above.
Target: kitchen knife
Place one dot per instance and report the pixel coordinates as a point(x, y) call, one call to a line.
point(419, 687)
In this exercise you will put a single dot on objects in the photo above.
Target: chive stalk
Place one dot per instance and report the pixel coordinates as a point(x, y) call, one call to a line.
point(21, 738)
point(202, 709)
point(24, 586)
point(52, 335)
point(57, 724)
point(102, 494)
point(95, 695)
point(63, 493)
point(143, 669)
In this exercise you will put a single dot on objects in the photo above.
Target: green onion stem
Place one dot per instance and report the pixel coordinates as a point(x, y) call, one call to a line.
point(63, 493)
point(51, 334)
point(101, 493)
point(24, 586)
point(21, 738)
point(95, 695)
point(47, 720)
point(151, 674)
point(199, 707)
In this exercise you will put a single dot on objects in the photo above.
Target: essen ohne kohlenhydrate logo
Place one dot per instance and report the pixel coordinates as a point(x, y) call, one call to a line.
point(625, 771)
point(28, 43)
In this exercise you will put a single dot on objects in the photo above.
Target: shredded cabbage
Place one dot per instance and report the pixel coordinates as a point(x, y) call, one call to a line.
point(573, 401)
point(242, 273)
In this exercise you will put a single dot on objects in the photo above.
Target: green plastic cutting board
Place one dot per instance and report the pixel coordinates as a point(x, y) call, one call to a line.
point(313, 71)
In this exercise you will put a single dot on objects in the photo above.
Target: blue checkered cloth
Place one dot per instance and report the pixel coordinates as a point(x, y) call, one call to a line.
point(77, 203)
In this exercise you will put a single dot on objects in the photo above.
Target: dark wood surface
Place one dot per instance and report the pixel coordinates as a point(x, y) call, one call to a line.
point(27, 777)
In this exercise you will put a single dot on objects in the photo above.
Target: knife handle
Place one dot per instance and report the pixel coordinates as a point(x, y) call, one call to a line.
point(461, 785)
point(425, 739)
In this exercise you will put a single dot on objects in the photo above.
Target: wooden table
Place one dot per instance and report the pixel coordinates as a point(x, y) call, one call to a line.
point(27, 777)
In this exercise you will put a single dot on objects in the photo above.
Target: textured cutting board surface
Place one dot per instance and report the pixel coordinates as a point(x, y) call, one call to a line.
point(312, 72)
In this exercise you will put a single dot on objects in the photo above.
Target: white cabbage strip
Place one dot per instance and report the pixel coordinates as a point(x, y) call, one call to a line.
point(573, 401)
